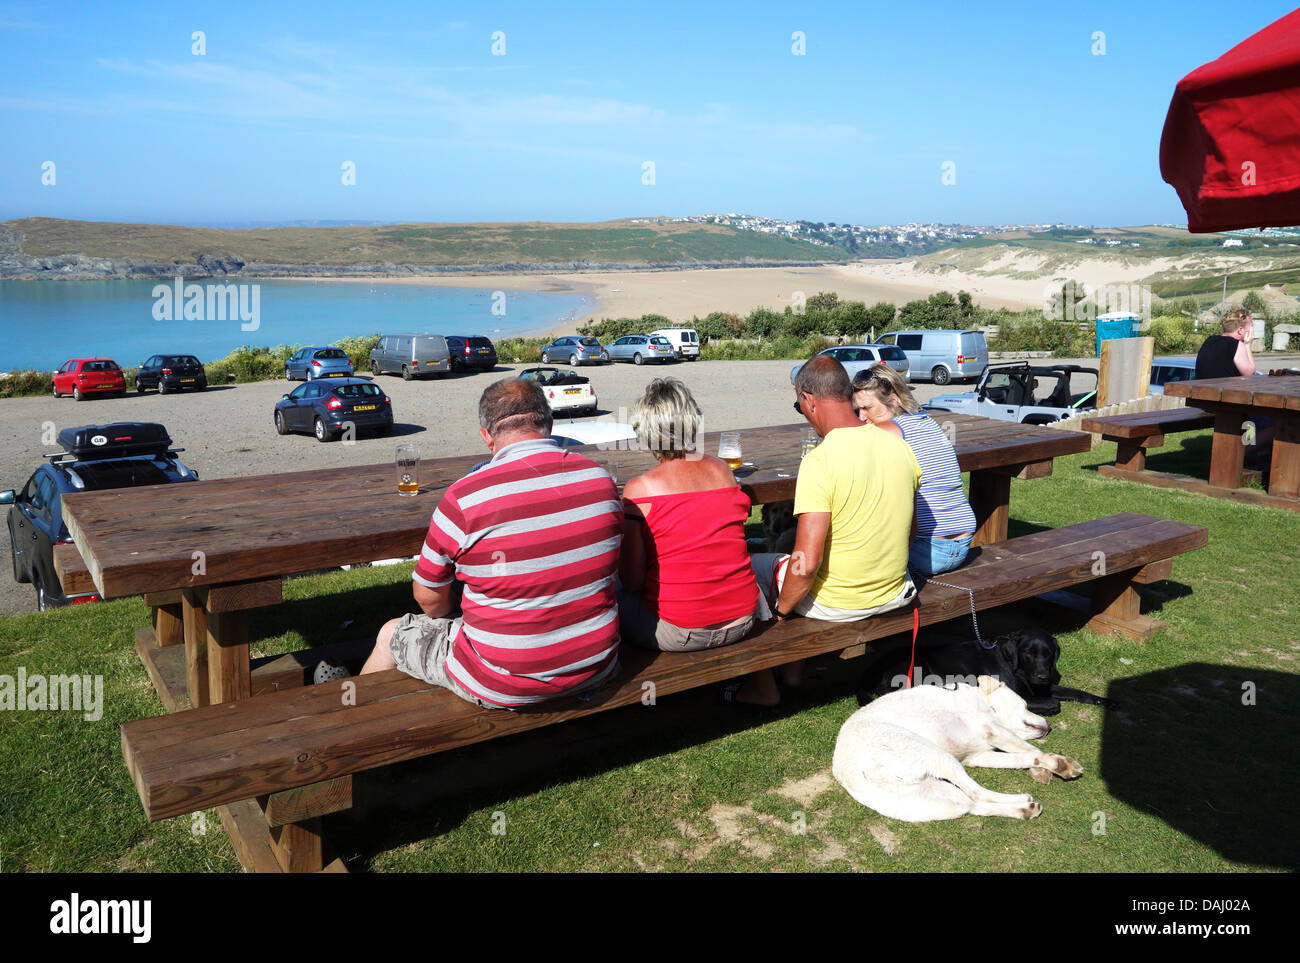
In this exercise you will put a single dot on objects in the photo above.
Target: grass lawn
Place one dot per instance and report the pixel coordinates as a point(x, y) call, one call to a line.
point(1183, 777)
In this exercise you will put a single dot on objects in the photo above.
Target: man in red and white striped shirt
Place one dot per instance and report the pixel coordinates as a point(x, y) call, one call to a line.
point(533, 535)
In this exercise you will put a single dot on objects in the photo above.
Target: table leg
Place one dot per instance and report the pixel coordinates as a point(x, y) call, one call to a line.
point(990, 500)
point(1284, 475)
point(1228, 453)
point(229, 675)
point(194, 615)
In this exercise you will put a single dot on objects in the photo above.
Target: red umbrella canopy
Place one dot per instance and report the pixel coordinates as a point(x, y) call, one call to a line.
point(1231, 143)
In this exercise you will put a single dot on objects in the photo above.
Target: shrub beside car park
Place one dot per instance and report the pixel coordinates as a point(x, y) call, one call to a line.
point(16, 384)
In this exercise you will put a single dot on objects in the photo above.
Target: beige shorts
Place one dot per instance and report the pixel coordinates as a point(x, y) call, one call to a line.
point(770, 574)
point(421, 646)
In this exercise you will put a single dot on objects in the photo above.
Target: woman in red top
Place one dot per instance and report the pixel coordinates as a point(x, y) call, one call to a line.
point(686, 579)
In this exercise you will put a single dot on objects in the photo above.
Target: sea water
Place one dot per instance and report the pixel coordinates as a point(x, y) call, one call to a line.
point(44, 323)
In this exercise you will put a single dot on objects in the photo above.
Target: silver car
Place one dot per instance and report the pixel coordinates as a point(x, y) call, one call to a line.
point(575, 349)
point(859, 357)
point(640, 348)
point(308, 364)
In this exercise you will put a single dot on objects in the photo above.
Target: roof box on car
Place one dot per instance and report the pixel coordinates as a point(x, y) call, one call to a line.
point(117, 440)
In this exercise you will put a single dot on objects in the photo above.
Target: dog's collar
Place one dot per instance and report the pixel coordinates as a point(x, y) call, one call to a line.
point(989, 645)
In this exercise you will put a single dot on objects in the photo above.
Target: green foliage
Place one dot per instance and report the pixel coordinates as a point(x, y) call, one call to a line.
point(250, 364)
point(762, 323)
point(881, 316)
point(1253, 303)
point(764, 349)
point(1175, 334)
point(717, 325)
point(358, 349)
point(939, 310)
point(23, 383)
point(823, 302)
point(1029, 331)
point(521, 350)
point(606, 330)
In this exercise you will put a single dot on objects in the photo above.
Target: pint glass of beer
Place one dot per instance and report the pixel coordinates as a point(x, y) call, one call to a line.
point(729, 449)
point(408, 469)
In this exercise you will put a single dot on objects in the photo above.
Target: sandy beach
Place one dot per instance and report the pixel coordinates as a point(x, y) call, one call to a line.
point(680, 295)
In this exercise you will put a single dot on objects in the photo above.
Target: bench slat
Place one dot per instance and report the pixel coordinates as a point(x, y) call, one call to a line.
point(1143, 423)
point(233, 751)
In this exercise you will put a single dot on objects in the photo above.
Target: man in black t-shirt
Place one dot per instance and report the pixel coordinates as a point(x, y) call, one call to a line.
point(1228, 355)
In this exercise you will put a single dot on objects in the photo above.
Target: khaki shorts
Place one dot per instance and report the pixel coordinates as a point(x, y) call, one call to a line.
point(421, 647)
point(641, 626)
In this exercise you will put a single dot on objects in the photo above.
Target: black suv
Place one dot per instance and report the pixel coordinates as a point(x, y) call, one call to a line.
point(171, 372)
point(120, 455)
point(471, 352)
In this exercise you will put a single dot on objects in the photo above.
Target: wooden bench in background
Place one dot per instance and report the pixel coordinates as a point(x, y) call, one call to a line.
point(275, 764)
point(1133, 434)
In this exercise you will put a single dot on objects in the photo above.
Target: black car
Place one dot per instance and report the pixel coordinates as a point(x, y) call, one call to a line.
point(327, 408)
point(171, 372)
point(94, 457)
point(471, 352)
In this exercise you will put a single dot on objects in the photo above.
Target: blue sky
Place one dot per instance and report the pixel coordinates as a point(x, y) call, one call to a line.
point(558, 128)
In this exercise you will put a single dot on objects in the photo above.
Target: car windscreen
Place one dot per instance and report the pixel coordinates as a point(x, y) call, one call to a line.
point(589, 342)
point(126, 473)
point(181, 361)
point(331, 354)
point(660, 339)
point(890, 353)
point(100, 366)
point(358, 391)
point(480, 343)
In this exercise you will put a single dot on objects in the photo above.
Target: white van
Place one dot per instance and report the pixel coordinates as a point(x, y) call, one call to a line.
point(940, 355)
point(685, 342)
point(411, 355)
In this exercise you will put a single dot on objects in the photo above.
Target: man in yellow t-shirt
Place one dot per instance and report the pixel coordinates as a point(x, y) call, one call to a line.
point(855, 497)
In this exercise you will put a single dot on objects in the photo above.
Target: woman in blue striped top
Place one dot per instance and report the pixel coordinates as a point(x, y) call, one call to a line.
point(944, 521)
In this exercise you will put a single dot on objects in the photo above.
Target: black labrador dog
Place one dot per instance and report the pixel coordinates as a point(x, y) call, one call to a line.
point(1024, 659)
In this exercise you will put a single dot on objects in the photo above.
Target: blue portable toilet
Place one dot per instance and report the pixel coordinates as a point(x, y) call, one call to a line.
point(1118, 324)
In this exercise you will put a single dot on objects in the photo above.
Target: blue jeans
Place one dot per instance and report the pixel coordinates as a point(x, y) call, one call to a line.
point(934, 556)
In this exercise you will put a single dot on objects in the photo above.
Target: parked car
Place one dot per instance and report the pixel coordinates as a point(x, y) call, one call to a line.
point(575, 349)
point(942, 355)
point(94, 457)
point(411, 355)
point(1165, 370)
point(640, 348)
point(859, 357)
point(471, 352)
point(80, 377)
point(1016, 391)
point(564, 390)
point(171, 372)
point(327, 408)
point(308, 364)
point(685, 342)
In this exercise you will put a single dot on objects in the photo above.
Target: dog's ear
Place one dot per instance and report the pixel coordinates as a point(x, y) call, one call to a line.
point(1009, 646)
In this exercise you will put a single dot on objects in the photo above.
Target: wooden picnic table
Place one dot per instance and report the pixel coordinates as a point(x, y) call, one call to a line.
point(206, 553)
point(1234, 401)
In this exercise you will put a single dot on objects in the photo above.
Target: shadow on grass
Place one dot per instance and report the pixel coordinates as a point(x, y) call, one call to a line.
point(1204, 748)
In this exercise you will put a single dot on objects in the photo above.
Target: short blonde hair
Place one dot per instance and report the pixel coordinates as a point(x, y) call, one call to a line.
point(884, 382)
point(666, 419)
point(1234, 319)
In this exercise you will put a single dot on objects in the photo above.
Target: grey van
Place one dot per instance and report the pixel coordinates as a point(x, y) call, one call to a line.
point(942, 355)
point(411, 355)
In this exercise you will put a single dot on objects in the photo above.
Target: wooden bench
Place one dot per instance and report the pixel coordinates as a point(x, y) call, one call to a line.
point(1135, 433)
point(275, 763)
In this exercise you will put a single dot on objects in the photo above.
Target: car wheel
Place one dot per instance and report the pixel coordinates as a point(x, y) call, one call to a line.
point(162, 388)
point(546, 358)
point(280, 427)
point(139, 388)
point(76, 393)
point(56, 392)
point(406, 373)
point(604, 357)
point(573, 361)
point(940, 375)
point(308, 376)
point(637, 359)
point(374, 367)
point(287, 375)
point(322, 433)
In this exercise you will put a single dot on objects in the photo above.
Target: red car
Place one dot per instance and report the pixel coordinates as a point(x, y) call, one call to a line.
point(84, 376)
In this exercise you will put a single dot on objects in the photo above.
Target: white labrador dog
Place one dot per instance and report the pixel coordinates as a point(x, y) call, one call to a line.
point(902, 755)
